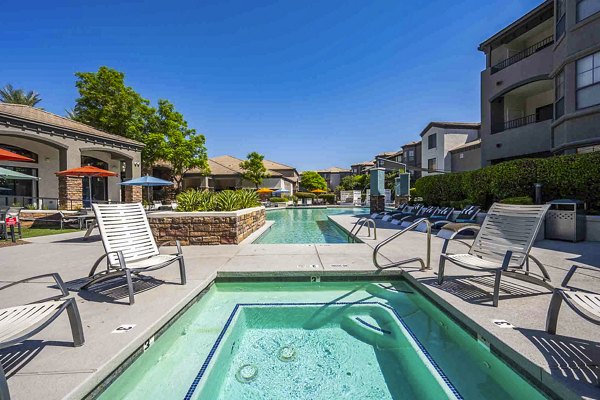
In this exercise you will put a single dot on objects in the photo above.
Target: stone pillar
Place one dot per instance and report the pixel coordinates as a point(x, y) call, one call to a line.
point(70, 193)
point(377, 201)
point(133, 194)
point(377, 204)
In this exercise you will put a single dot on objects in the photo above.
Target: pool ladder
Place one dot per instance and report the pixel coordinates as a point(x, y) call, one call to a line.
point(360, 223)
point(425, 265)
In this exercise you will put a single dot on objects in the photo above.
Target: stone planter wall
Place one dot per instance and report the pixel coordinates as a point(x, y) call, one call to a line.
point(206, 228)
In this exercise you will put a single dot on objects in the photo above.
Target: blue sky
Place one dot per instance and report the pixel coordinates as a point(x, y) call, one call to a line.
point(312, 84)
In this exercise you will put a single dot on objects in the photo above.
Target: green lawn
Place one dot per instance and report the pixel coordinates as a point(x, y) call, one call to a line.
point(33, 232)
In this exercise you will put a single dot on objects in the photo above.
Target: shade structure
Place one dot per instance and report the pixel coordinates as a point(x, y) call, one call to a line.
point(148, 181)
point(88, 171)
point(6, 155)
point(264, 191)
point(318, 191)
point(9, 174)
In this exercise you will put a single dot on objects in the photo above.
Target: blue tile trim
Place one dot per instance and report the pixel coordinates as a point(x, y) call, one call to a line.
point(378, 329)
point(215, 346)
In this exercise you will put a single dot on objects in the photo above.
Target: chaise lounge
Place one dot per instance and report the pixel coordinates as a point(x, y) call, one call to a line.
point(22, 322)
point(502, 246)
point(129, 245)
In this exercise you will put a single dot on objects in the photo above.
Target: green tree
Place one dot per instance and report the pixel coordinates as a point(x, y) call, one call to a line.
point(173, 141)
point(106, 103)
point(310, 180)
point(354, 182)
point(253, 168)
point(9, 94)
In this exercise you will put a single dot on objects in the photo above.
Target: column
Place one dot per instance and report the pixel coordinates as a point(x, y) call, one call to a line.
point(70, 193)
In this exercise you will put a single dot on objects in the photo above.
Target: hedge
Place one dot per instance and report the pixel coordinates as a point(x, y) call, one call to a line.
point(328, 198)
point(305, 195)
point(574, 176)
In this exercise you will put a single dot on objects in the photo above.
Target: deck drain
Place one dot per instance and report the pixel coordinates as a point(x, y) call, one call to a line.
point(246, 373)
point(287, 353)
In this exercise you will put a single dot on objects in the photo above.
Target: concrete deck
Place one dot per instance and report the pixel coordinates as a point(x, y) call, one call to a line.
point(48, 367)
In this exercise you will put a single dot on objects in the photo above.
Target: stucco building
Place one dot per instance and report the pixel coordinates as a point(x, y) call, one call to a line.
point(540, 91)
point(439, 138)
point(56, 143)
point(333, 176)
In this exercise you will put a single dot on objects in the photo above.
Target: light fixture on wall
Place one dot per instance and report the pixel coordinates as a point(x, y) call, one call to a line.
point(47, 159)
point(136, 164)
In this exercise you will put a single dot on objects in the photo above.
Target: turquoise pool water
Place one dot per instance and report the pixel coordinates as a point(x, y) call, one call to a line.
point(306, 225)
point(321, 341)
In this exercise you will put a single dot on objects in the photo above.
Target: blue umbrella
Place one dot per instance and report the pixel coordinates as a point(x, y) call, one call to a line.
point(147, 181)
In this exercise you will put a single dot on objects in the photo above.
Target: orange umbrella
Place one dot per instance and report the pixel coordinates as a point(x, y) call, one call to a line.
point(89, 171)
point(264, 191)
point(318, 191)
point(6, 155)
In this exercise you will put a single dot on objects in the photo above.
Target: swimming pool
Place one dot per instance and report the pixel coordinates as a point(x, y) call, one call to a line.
point(322, 341)
point(306, 225)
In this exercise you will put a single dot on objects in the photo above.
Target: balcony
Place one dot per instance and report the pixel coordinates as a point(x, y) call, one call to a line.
point(542, 114)
point(529, 51)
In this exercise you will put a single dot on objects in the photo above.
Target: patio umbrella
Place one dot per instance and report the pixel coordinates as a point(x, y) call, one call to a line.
point(264, 191)
point(147, 181)
point(9, 174)
point(88, 171)
point(6, 155)
point(318, 191)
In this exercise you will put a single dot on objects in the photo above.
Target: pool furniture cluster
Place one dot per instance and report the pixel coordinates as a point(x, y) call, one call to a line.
point(129, 245)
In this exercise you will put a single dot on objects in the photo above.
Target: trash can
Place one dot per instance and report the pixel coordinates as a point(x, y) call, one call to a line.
point(565, 220)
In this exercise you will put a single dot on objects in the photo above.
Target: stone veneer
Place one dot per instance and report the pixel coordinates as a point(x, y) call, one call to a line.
point(70, 192)
point(206, 228)
point(132, 194)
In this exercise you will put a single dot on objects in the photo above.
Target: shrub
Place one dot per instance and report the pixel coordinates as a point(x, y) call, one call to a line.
point(226, 200)
point(305, 195)
point(328, 198)
point(574, 176)
point(196, 200)
point(524, 200)
point(247, 199)
point(278, 200)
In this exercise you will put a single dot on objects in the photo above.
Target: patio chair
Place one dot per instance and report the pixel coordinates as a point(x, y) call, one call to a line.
point(423, 213)
point(129, 245)
point(406, 211)
point(379, 215)
point(156, 205)
point(13, 212)
point(586, 304)
point(502, 246)
point(22, 322)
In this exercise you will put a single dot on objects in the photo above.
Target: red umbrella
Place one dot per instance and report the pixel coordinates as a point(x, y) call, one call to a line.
point(89, 171)
point(6, 155)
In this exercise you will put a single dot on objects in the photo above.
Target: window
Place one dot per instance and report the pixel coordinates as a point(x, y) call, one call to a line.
point(17, 187)
point(461, 155)
point(432, 164)
point(560, 18)
point(20, 151)
point(587, 8)
point(559, 95)
point(432, 141)
point(411, 155)
point(588, 81)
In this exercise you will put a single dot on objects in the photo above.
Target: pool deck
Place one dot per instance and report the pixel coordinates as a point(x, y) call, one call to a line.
point(48, 367)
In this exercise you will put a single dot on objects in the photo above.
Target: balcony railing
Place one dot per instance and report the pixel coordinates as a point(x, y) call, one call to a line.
point(523, 54)
point(542, 114)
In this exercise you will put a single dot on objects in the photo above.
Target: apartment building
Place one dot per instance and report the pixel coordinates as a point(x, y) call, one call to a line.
point(333, 176)
point(411, 156)
point(362, 168)
point(540, 91)
point(439, 138)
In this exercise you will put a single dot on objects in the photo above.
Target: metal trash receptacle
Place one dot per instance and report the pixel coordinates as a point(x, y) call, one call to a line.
point(565, 220)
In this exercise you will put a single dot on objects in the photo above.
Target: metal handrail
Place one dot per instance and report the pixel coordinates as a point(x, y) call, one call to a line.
point(362, 221)
point(523, 54)
point(424, 265)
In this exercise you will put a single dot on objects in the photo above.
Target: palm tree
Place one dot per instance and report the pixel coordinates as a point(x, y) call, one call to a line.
point(18, 96)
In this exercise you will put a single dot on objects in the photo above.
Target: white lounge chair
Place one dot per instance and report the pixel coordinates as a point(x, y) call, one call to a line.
point(22, 322)
point(586, 304)
point(129, 244)
point(502, 245)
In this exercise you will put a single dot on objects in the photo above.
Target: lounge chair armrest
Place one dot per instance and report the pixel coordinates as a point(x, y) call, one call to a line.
point(177, 243)
point(572, 271)
point(447, 243)
point(59, 283)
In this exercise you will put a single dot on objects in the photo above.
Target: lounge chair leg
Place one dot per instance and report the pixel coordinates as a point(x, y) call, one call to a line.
point(129, 286)
point(75, 320)
point(4, 394)
point(497, 287)
point(182, 271)
point(553, 309)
